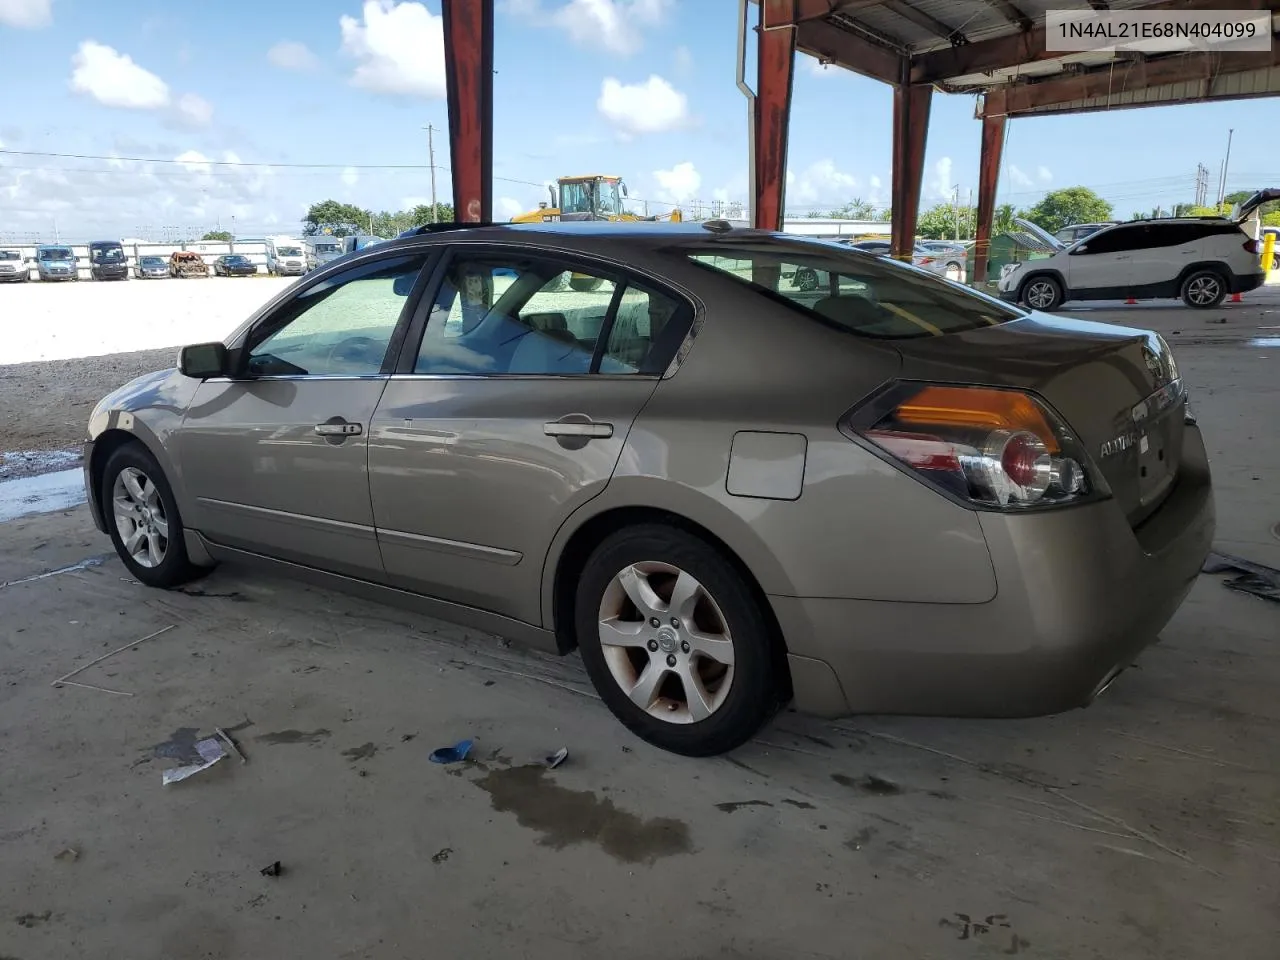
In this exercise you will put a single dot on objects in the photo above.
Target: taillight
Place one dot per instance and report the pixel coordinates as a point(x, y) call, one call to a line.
point(990, 447)
point(1252, 246)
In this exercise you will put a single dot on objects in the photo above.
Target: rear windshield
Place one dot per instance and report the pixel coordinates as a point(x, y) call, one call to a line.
point(855, 291)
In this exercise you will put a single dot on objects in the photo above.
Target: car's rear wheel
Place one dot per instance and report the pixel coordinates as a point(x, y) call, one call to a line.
point(1042, 293)
point(143, 519)
point(674, 641)
point(1203, 289)
point(953, 271)
point(806, 280)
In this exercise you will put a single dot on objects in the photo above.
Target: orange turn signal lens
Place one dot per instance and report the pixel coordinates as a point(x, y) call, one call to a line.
point(977, 407)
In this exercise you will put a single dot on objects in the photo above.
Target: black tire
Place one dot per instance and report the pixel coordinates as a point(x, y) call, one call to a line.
point(175, 568)
point(1045, 290)
point(806, 280)
point(1275, 262)
point(753, 695)
point(1204, 289)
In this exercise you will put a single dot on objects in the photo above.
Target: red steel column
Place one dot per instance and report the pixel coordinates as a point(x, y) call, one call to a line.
point(988, 179)
point(468, 68)
point(910, 131)
point(775, 67)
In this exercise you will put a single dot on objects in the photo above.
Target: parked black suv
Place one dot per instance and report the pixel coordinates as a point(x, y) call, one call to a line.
point(107, 260)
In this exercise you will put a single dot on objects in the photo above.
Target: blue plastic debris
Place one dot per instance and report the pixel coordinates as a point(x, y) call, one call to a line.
point(458, 752)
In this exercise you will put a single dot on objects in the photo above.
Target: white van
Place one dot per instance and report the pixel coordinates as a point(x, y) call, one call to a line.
point(285, 257)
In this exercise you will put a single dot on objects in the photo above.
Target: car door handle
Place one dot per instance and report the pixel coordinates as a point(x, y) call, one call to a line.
point(570, 428)
point(338, 428)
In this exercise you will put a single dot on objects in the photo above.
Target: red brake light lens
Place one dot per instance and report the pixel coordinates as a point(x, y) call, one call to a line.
point(996, 448)
point(1252, 246)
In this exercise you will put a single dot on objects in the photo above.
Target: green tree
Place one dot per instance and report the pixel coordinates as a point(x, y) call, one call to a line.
point(1271, 219)
point(223, 235)
point(1061, 208)
point(940, 222)
point(855, 209)
point(340, 219)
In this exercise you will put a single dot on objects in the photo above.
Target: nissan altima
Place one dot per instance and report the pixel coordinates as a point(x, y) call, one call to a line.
point(883, 494)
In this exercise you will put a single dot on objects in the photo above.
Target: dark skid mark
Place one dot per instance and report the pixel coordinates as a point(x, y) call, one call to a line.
point(819, 741)
point(943, 795)
point(180, 746)
point(34, 919)
point(799, 804)
point(235, 596)
point(565, 817)
point(362, 752)
point(738, 805)
point(742, 766)
point(868, 784)
point(294, 736)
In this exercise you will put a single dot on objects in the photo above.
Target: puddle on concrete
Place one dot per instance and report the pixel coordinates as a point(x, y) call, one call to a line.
point(46, 493)
point(565, 817)
point(1265, 342)
point(31, 463)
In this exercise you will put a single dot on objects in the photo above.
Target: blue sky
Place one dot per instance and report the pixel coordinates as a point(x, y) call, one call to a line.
point(642, 88)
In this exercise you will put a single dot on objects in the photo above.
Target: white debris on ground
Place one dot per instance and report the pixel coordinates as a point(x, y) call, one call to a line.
point(61, 321)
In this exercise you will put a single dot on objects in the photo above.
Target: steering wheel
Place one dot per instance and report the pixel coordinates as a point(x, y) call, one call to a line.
point(351, 349)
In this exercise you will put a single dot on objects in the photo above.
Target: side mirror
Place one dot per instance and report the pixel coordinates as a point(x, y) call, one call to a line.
point(202, 361)
point(1083, 248)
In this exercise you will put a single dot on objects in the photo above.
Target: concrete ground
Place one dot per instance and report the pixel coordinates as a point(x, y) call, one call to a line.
point(1143, 827)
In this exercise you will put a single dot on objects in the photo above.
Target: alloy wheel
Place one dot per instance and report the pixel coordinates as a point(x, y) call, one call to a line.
point(1204, 289)
point(1041, 294)
point(666, 642)
point(139, 517)
point(953, 271)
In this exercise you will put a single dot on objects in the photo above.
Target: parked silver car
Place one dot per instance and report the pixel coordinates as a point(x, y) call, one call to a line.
point(948, 261)
point(151, 268)
point(885, 494)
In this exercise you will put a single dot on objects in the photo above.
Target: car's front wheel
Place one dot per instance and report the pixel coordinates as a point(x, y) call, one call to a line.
point(953, 271)
point(1042, 293)
point(1203, 289)
point(674, 641)
point(142, 517)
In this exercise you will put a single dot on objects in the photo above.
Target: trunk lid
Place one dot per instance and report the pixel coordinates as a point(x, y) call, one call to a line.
point(1253, 203)
point(1117, 388)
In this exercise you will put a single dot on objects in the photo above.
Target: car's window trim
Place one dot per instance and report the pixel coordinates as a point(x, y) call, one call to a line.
point(688, 311)
point(427, 256)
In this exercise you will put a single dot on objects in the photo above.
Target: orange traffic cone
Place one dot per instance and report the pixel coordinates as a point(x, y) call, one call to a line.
point(1236, 298)
point(1131, 300)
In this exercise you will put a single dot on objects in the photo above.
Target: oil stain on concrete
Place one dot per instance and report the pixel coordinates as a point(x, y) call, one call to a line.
point(565, 817)
point(362, 752)
point(739, 804)
point(294, 736)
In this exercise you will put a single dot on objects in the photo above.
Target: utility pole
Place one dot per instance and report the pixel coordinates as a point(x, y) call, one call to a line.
point(431, 154)
point(956, 209)
point(1226, 163)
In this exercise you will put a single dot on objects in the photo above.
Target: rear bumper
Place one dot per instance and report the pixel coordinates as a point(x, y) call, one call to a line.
point(1080, 594)
point(1244, 282)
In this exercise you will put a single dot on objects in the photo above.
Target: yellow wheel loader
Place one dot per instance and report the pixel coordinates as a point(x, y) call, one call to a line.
point(588, 197)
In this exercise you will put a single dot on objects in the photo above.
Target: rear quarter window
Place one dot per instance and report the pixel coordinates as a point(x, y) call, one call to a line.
point(858, 293)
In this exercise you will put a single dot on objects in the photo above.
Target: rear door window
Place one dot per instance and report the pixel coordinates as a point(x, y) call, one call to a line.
point(859, 293)
point(1115, 240)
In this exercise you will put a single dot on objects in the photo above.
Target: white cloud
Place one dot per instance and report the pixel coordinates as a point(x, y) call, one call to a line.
point(194, 161)
point(1018, 178)
point(400, 47)
point(649, 107)
point(113, 79)
point(509, 207)
point(292, 55)
point(613, 25)
point(821, 183)
point(26, 14)
point(1045, 174)
point(942, 183)
point(679, 183)
point(350, 176)
point(875, 182)
point(195, 111)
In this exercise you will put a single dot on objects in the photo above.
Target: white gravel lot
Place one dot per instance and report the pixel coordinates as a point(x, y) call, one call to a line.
point(62, 321)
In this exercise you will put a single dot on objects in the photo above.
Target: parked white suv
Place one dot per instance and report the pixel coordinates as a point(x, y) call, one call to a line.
point(1199, 259)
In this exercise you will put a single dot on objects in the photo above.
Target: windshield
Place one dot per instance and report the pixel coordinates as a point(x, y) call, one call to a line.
point(288, 252)
point(107, 254)
point(152, 261)
point(865, 295)
point(576, 197)
point(10, 255)
point(56, 253)
point(236, 259)
point(327, 248)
